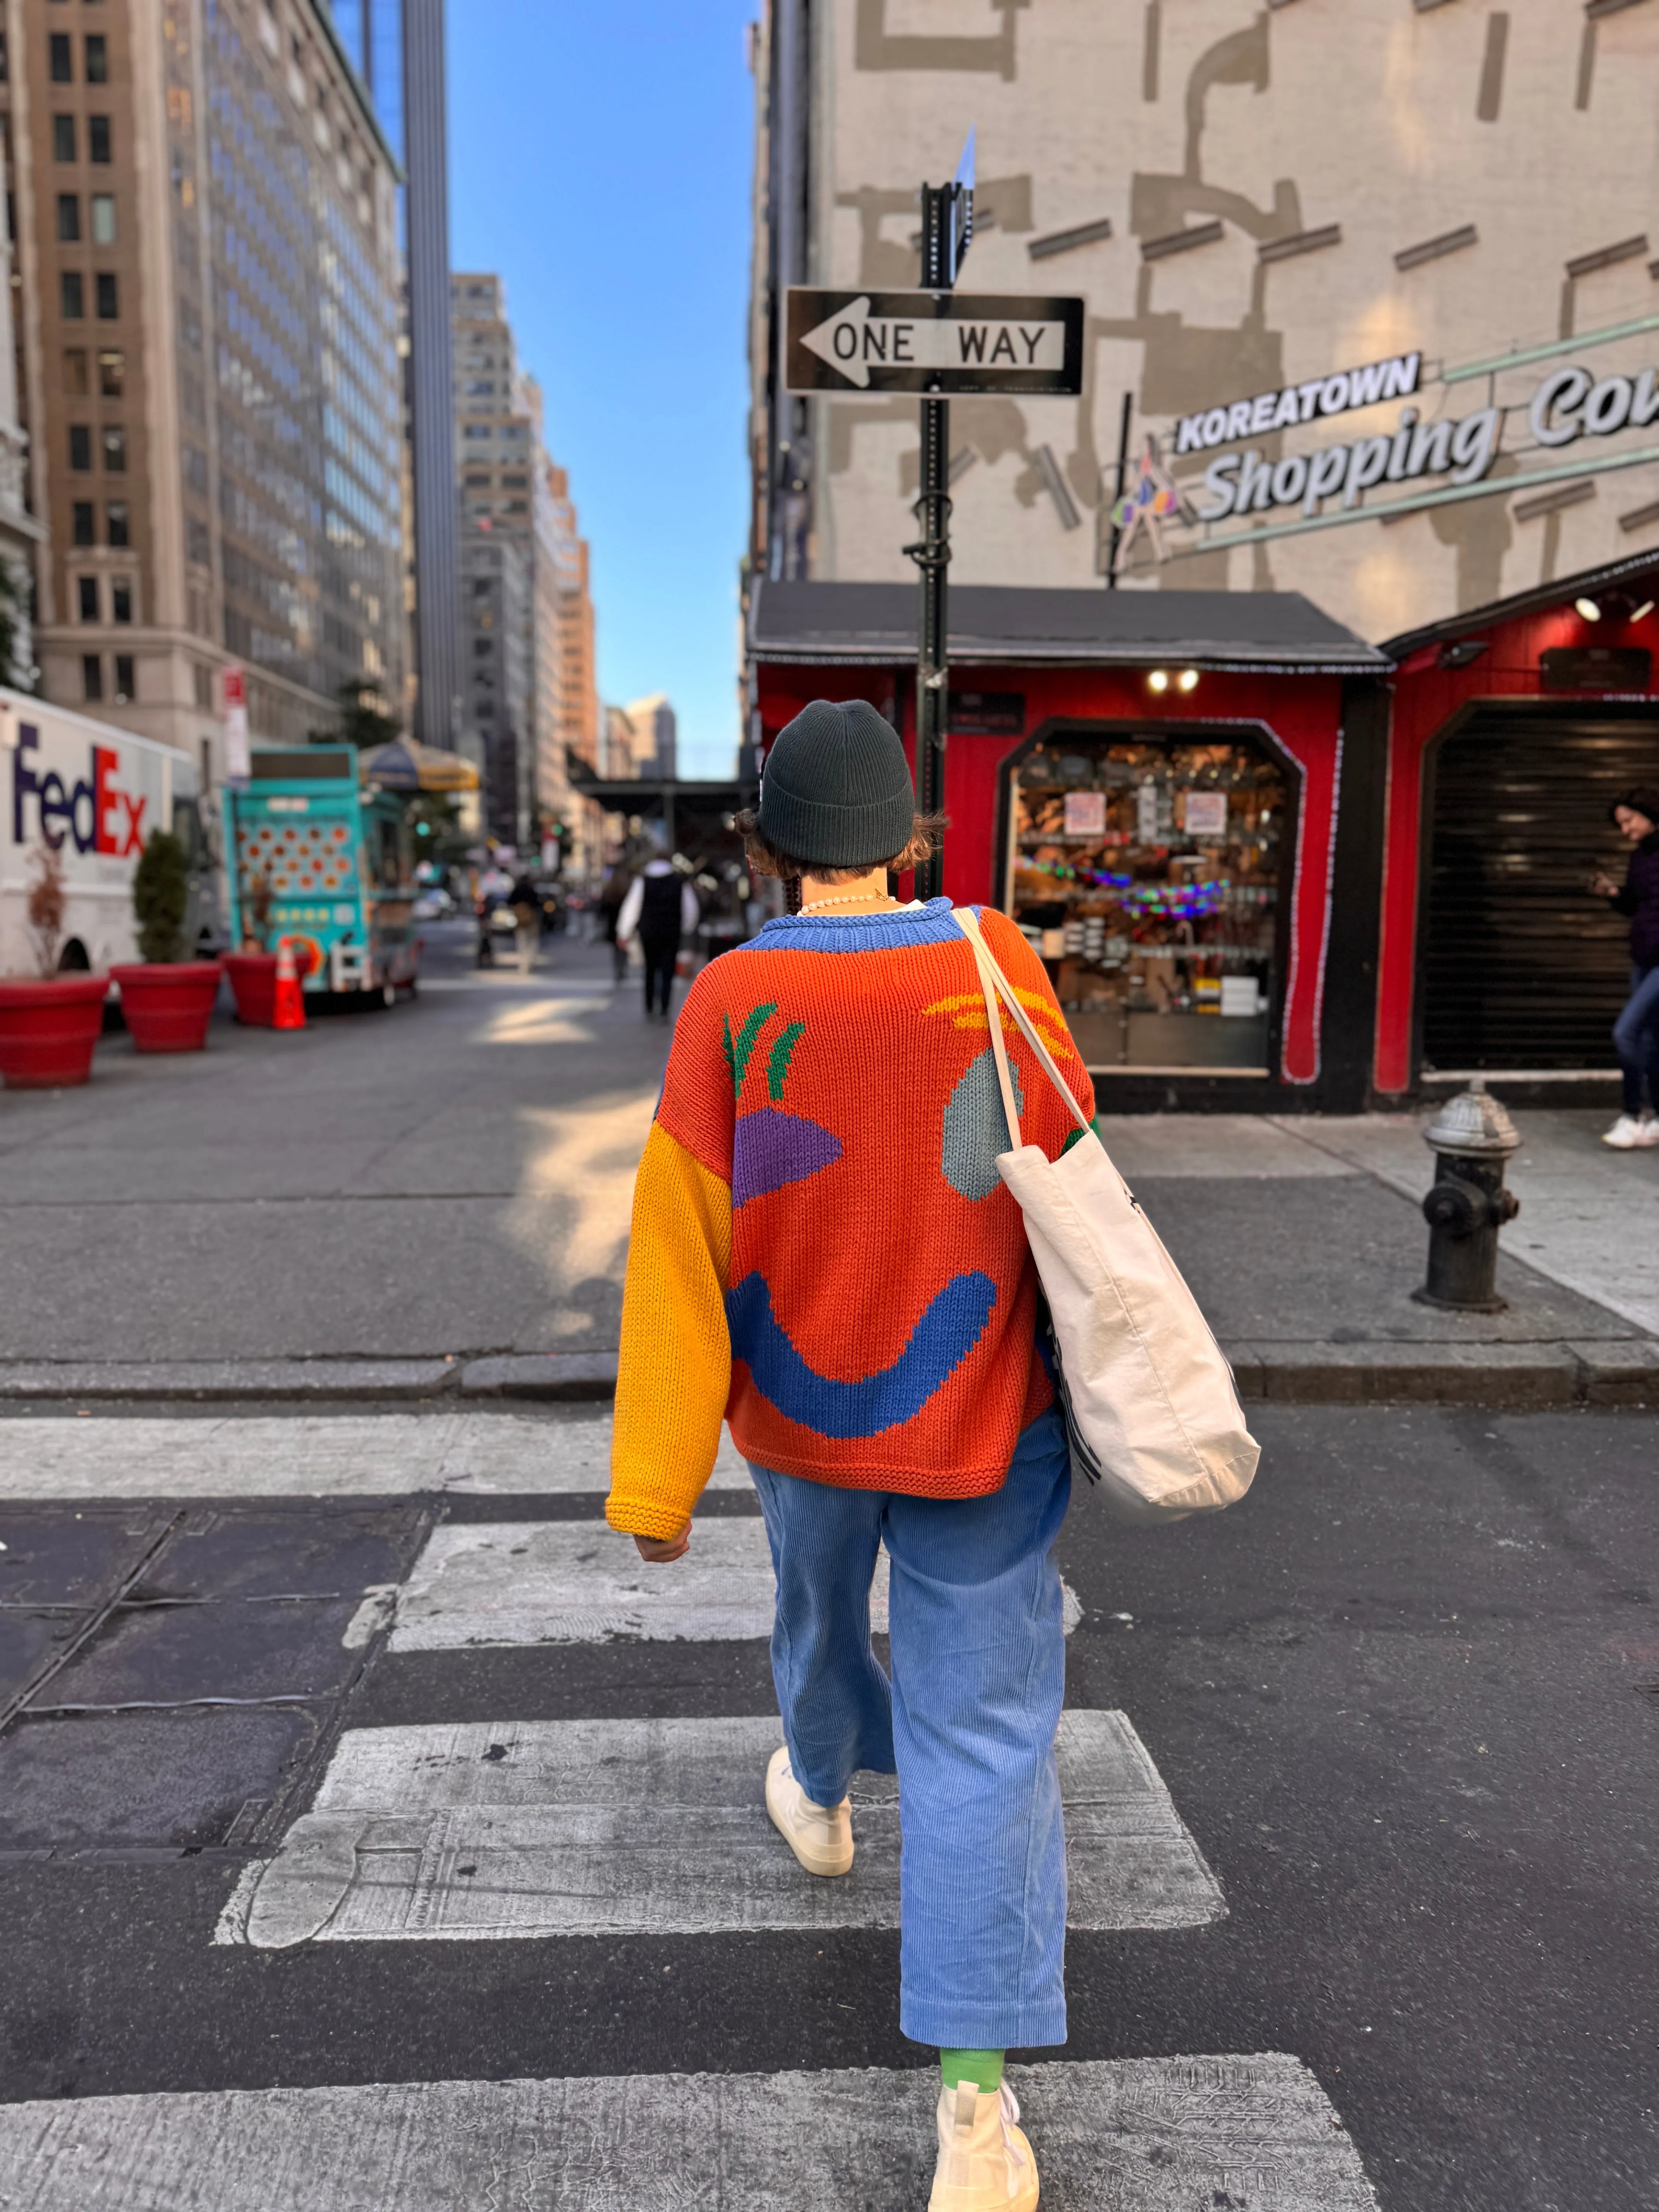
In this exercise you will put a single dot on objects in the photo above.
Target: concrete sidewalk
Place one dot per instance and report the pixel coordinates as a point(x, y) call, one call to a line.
point(433, 1203)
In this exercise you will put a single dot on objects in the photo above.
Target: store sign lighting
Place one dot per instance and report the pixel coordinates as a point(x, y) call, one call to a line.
point(1589, 609)
point(1395, 379)
point(1158, 680)
point(1188, 680)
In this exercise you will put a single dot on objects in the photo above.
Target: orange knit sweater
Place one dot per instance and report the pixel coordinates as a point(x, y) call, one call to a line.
point(822, 1253)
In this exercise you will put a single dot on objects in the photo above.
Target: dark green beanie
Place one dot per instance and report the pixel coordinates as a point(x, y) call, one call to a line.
point(836, 791)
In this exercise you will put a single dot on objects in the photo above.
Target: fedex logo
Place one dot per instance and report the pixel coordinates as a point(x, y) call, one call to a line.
point(95, 812)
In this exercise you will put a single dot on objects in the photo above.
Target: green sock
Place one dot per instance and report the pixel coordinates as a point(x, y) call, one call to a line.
point(982, 2068)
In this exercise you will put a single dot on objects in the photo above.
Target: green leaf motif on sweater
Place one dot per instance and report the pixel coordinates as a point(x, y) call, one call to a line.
point(725, 1045)
point(746, 1039)
point(777, 1067)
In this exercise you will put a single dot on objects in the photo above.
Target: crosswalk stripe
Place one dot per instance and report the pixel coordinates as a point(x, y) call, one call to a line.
point(481, 1831)
point(1138, 2135)
point(539, 1582)
point(316, 1455)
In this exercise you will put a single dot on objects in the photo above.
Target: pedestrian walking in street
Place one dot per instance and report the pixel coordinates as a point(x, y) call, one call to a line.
point(662, 907)
point(612, 896)
point(824, 1256)
point(1636, 1032)
point(526, 905)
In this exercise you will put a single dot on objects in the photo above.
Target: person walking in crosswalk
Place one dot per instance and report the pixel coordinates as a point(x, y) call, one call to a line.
point(824, 1256)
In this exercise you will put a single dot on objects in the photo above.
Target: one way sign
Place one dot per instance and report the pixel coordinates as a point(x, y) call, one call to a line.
point(932, 341)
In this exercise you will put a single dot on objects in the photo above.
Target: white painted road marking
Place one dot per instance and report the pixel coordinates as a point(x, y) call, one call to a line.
point(316, 1455)
point(1140, 2134)
point(523, 1829)
point(576, 1581)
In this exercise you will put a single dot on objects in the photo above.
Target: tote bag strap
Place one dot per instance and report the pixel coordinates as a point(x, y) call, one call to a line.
point(995, 984)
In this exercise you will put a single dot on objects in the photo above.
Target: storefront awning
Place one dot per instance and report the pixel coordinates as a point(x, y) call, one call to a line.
point(407, 765)
point(1012, 624)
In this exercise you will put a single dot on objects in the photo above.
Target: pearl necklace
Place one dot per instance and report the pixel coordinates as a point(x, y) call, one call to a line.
point(857, 898)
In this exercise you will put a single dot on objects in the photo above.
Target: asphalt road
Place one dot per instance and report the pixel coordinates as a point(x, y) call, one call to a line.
point(1404, 1701)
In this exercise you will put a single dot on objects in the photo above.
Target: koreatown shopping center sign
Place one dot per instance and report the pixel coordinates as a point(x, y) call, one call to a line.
point(1568, 403)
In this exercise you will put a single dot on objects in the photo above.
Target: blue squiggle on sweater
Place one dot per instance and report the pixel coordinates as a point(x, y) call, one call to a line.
point(950, 1326)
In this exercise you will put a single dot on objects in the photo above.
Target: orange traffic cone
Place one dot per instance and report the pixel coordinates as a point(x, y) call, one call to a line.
point(290, 1005)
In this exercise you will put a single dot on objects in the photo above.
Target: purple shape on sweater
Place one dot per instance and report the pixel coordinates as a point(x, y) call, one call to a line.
point(771, 1148)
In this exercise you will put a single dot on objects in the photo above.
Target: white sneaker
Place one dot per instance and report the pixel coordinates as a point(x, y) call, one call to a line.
point(1647, 1129)
point(1626, 1134)
point(985, 2163)
point(820, 1835)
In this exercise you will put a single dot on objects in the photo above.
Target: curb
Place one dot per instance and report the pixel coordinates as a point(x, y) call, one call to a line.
point(553, 1376)
point(1619, 1371)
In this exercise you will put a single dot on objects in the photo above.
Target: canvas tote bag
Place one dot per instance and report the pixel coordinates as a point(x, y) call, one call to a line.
point(1150, 1407)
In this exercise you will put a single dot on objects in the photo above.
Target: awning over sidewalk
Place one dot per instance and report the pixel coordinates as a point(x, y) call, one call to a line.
point(407, 765)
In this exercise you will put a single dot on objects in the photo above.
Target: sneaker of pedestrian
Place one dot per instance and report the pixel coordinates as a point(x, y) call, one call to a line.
point(820, 1835)
point(985, 2163)
point(1647, 1130)
point(1628, 1132)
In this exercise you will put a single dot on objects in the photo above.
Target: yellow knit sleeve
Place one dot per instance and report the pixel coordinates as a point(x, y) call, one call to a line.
point(675, 1371)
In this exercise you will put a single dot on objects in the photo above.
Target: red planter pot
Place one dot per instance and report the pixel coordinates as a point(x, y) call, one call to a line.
point(254, 980)
point(48, 1029)
point(167, 1004)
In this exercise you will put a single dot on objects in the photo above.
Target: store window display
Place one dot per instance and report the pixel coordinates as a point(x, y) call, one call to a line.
point(1146, 871)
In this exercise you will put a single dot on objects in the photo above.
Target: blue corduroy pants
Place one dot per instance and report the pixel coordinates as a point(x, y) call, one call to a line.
point(967, 1722)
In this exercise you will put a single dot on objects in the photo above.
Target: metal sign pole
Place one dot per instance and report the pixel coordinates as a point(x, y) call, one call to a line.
point(932, 554)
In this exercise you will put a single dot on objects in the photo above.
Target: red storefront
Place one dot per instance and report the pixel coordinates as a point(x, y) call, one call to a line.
point(1513, 728)
point(1177, 794)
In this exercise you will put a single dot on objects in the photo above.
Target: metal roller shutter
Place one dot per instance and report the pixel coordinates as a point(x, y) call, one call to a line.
point(1521, 968)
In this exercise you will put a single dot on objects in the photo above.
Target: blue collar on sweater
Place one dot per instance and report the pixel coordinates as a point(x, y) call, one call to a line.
point(858, 933)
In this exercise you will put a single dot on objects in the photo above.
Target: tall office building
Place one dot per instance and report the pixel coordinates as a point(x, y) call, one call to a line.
point(206, 240)
point(20, 534)
point(567, 704)
point(527, 631)
point(655, 728)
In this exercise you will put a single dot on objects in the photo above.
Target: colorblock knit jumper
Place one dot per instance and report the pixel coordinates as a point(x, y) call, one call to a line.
point(823, 1254)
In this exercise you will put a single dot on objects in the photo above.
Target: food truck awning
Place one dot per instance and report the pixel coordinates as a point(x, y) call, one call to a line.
point(870, 624)
point(407, 765)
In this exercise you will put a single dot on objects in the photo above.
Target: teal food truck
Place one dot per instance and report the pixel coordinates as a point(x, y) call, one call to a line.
point(312, 860)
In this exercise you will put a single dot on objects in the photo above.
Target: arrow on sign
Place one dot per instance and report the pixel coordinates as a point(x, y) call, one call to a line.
point(854, 340)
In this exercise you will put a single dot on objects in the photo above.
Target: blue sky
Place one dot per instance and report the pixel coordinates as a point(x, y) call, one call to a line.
point(599, 159)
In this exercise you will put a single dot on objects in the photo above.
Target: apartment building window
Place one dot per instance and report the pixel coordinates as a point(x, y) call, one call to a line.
point(87, 591)
point(98, 139)
point(72, 294)
point(103, 218)
point(92, 675)
point(97, 59)
point(79, 447)
point(5, 61)
point(203, 687)
point(62, 137)
point(115, 517)
point(75, 371)
point(111, 374)
point(126, 686)
point(69, 218)
point(109, 306)
point(80, 516)
point(200, 547)
point(115, 450)
point(120, 599)
point(59, 62)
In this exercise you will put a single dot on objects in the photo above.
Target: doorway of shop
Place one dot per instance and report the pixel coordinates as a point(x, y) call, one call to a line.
point(1521, 971)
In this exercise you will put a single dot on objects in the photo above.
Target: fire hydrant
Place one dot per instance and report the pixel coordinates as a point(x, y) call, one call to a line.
point(1471, 1136)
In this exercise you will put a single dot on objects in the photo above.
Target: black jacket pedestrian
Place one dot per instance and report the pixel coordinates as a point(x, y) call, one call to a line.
point(1640, 900)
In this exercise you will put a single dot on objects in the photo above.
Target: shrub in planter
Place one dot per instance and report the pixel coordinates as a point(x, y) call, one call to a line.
point(167, 1002)
point(49, 1023)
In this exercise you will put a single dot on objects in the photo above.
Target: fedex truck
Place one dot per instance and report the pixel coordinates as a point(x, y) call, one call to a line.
point(93, 794)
